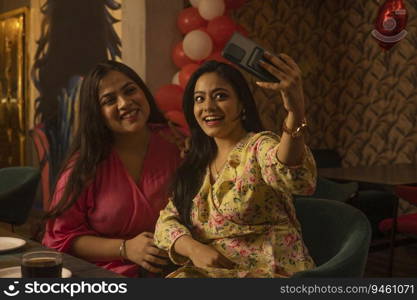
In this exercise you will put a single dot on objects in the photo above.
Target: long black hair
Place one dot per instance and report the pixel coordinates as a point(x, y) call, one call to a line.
point(189, 176)
point(93, 140)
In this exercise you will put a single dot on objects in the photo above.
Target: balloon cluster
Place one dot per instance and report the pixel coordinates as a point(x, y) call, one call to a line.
point(206, 27)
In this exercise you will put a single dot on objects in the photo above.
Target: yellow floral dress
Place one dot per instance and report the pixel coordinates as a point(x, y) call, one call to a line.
point(247, 214)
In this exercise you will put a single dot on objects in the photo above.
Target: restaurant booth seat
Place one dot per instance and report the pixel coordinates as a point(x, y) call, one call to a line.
point(337, 236)
point(18, 186)
point(407, 223)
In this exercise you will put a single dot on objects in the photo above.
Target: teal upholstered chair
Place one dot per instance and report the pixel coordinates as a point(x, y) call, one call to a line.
point(18, 186)
point(337, 236)
point(375, 204)
point(332, 190)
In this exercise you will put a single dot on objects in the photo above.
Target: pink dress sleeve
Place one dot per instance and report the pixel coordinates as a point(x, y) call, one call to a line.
point(60, 232)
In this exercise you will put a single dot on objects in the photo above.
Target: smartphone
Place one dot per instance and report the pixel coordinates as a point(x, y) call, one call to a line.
point(246, 54)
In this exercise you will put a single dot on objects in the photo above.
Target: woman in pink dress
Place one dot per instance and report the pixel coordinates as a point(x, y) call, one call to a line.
point(114, 182)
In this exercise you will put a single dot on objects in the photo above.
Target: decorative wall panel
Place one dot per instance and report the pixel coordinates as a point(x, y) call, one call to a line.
point(362, 100)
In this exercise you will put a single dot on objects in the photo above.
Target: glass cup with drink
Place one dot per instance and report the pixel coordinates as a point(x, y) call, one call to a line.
point(41, 264)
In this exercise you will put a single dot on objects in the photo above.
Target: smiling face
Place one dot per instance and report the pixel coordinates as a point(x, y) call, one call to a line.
point(217, 108)
point(123, 104)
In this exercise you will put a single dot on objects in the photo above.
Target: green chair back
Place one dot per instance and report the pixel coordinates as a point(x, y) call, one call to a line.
point(328, 189)
point(337, 236)
point(18, 186)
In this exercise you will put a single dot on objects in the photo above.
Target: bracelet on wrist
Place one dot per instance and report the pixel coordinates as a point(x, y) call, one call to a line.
point(297, 132)
point(122, 251)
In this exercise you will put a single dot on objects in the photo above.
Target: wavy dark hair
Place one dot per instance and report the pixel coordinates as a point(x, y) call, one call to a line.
point(189, 176)
point(93, 139)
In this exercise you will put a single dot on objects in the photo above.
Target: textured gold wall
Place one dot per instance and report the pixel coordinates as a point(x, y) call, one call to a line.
point(362, 100)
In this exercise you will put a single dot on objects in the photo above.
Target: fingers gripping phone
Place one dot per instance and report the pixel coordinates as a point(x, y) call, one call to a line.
point(246, 54)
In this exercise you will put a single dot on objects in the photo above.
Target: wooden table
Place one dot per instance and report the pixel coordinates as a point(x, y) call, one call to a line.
point(387, 176)
point(79, 268)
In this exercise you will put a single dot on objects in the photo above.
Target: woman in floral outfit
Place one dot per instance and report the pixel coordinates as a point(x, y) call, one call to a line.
point(231, 213)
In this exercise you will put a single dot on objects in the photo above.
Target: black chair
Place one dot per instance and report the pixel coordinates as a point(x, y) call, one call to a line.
point(18, 186)
point(327, 158)
point(337, 236)
point(372, 199)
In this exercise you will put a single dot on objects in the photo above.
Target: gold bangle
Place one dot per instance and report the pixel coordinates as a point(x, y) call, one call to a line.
point(297, 132)
point(122, 251)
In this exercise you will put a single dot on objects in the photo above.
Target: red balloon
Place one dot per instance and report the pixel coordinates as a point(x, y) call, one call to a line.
point(178, 56)
point(204, 29)
point(241, 30)
point(178, 118)
point(169, 97)
point(189, 19)
point(234, 4)
point(390, 23)
point(221, 29)
point(186, 73)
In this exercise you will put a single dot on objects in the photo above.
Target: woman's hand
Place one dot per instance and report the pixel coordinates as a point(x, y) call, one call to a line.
point(287, 71)
point(142, 251)
point(283, 67)
point(206, 256)
point(201, 254)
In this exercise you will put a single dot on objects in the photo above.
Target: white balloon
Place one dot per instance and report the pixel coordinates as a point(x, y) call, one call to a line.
point(194, 2)
point(175, 79)
point(197, 45)
point(209, 9)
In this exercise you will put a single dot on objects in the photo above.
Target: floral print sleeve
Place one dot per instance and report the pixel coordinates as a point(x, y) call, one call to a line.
point(168, 230)
point(299, 180)
point(246, 214)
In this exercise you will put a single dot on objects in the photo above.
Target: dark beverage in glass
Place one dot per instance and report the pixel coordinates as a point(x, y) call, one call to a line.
point(41, 264)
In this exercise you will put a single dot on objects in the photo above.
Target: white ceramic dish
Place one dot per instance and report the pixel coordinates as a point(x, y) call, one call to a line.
point(10, 243)
point(15, 272)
